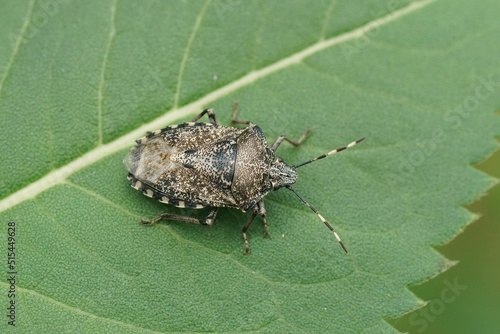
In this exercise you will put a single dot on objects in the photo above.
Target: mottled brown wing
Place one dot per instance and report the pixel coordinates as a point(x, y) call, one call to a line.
point(186, 165)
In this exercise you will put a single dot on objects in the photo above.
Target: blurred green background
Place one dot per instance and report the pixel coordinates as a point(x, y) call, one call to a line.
point(474, 306)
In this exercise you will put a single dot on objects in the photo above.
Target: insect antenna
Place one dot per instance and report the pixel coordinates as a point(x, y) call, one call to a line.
point(331, 152)
point(320, 217)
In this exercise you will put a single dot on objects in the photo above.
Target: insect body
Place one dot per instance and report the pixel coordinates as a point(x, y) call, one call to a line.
point(197, 165)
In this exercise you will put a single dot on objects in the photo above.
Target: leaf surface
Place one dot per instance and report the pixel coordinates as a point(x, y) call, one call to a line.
point(81, 80)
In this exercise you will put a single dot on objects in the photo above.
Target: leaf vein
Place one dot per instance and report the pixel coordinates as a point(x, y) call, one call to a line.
point(19, 40)
point(81, 312)
point(112, 32)
point(185, 56)
point(328, 16)
point(59, 175)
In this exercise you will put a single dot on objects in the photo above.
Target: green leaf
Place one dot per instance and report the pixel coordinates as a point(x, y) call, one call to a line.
point(81, 80)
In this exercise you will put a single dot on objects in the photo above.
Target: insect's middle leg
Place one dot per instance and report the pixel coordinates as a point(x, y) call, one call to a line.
point(245, 229)
point(295, 143)
point(258, 209)
point(211, 217)
point(261, 210)
point(234, 116)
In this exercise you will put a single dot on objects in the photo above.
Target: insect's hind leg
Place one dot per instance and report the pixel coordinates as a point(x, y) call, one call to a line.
point(169, 216)
point(211, 116)
point(295, 143)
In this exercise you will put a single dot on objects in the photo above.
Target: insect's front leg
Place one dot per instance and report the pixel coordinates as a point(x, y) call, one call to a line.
point(295, 143)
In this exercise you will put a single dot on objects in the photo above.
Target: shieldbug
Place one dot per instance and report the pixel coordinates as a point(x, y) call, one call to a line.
point(197, 165)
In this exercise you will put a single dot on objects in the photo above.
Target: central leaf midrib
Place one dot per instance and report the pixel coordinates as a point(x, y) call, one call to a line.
point(58, 175)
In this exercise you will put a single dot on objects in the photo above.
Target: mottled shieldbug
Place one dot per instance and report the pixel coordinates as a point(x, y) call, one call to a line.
point(197, 165)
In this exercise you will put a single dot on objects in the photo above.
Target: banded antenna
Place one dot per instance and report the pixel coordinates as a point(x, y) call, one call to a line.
point(340, 149)
point(330, 227)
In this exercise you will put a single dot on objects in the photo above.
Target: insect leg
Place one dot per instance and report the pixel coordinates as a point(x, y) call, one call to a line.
point(234, 119)
point(295, 143)
point(211, 217)
point(245, 229)
point(168, 216)
point(260, 208)
point(211, 116)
